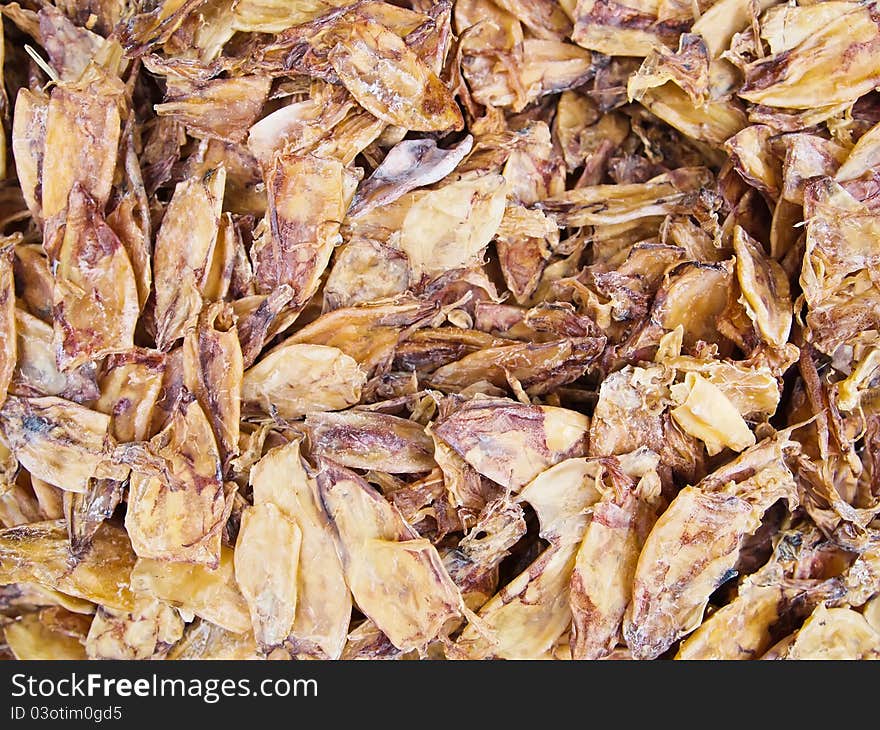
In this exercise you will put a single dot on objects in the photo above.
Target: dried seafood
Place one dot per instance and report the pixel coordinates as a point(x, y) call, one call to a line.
point(456, 329)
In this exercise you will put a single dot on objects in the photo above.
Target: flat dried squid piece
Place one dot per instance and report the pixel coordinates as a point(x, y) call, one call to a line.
point(410, 164)
point(707, 414)
point(177, 505)
point(86, 511)
point(765, 290)
point(390, 81)
point(691, 551)
point(204, 640)
point(211, 594)
point(48, 634)
point(96, 304)
point(146, 632)
point(601, 583)
point(448, 228)
point(365, 270)
point(525, 619)
point(561, 497)
point(266, 562)
point(323, 601)
point(368, 333)
point(130, 388)
point(673, 192)
point(742, 629)
point(58, 441)
point(184, 249)
point(363, 440)
point(308, 196)
point(213, 371)
point(538, 367)
point(632, 413)
point(511, 443)
point(397, 579)
point(835, 61)
point(28, 143)
point(221, 108)
point(630, 28)
point(295, 379)
point(40, 553)
point(81, 146)
point(835, 633)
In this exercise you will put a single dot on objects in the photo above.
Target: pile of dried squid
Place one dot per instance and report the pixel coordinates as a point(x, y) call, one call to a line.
point(463, 329)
